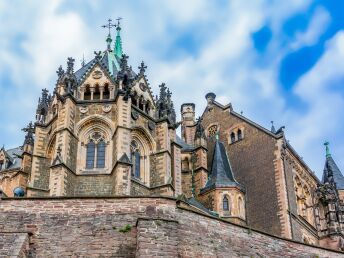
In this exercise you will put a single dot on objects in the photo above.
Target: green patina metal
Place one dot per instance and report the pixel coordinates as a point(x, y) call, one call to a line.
point(118, 43)
point(328, 154)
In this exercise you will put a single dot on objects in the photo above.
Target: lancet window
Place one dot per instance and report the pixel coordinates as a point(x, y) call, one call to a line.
point(136, 160)
point(95, 151)
point(225, 204)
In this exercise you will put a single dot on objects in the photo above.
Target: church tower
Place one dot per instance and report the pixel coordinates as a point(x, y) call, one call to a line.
point(101, 132)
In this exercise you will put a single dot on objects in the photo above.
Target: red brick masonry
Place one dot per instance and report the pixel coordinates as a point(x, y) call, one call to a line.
point(131, 227)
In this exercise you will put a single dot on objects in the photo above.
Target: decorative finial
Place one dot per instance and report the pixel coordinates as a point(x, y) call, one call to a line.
point(241, 112)
point(328, 154)
point(70, 65)
point(83, 62)
point(118, 25)
point(60, 71)
point(98, 54)
point(29, 129)
point(109, 25)
point(142, 68)
point(124, 62)
point(273, 130)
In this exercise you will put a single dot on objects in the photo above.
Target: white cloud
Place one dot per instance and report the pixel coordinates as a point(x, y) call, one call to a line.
point(317, 26)
point(226, 61)
point(323, 119)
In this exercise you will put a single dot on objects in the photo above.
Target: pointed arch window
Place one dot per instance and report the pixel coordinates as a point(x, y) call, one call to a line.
point(240, 206)
point(225, 204)
point(101, 154)
point(106, 93)
point(239, 135)
point(87, 93)
point(90, 154)
point(95, 151)
point(96, 94)
point(232, 137)
point(136, 160)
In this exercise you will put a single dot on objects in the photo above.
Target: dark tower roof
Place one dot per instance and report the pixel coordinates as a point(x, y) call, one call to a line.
point(221, 174)
point(332, 174)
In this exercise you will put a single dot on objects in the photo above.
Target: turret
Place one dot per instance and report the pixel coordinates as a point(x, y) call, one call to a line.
point(227, 195)
point(187, 111)
point(329, 195)
point(200, 164)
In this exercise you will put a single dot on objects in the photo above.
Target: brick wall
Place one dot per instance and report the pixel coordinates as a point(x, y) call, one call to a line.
point(252, 163)
point(129, 227)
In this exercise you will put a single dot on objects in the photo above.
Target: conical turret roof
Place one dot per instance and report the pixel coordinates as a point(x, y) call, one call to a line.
point(221, 174)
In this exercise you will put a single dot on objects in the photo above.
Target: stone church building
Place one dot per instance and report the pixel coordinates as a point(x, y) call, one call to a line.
point(102, 133)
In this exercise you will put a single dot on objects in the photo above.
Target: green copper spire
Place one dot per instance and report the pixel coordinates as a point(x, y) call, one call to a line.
point(328, 154)
point(118, 42)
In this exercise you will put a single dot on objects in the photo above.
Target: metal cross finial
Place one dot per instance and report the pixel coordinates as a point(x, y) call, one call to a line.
point(109, 25)
point(142, 67)
point(118, 22)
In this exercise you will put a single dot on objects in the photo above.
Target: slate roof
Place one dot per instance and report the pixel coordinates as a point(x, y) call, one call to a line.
point(13, 154)
point(192, 201)
point(221, 174)
point(185, 146)
point(108, 61)
point(331, 170)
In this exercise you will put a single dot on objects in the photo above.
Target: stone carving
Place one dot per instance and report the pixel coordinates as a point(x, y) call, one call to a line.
point(151, 125)
point(83, 109)
point(143, 87)
point(107, 108)
point(97, 74)
point(134, 114)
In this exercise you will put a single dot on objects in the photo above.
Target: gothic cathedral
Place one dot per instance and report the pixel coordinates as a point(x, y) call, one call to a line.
point(102, 132)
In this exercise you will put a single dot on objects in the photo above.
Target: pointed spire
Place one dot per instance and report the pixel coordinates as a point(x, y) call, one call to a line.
point(332, 173)
point(118, 42)
point(221, 174)
point(328, 154)
point(273, 129)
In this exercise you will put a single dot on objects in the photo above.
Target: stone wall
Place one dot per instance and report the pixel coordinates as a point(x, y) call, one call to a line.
point(134, 227)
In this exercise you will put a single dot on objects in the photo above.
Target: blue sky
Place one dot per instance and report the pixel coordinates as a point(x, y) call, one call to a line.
point(273, 60)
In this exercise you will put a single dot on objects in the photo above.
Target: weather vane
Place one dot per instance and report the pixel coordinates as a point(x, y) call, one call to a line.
point(118, 19)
